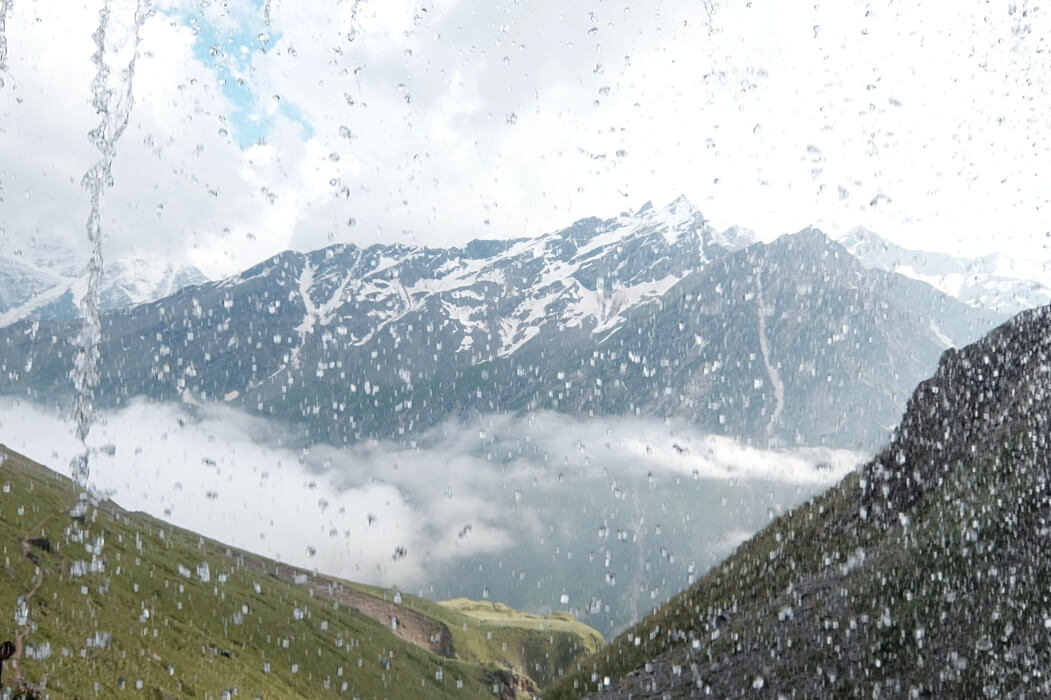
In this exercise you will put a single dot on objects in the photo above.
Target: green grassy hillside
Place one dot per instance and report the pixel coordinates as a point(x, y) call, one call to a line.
point(541, 647)
point(120, 602)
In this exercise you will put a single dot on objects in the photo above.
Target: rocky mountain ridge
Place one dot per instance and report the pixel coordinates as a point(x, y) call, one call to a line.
point(920, 575)
point(650, 313)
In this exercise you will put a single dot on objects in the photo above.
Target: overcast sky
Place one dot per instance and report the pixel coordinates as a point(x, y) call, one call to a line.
point(260, 126)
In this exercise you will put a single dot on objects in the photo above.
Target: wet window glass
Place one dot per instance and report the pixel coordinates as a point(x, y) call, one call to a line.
point(396, 349)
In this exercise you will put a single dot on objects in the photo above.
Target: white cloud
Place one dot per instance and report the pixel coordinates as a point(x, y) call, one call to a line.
point(247, 482)
point(218, 473)
point(927, 126)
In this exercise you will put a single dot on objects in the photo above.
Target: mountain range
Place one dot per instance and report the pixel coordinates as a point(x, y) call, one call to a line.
point(652, 313)
point(49, 281)
point(921, 574)
point(993, 282)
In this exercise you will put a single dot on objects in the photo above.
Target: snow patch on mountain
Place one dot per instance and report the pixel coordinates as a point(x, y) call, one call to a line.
point(735, 238)
point(608, 307)
point(764, 346)
point(136, 279)
point(940, 335)
point(590, 275)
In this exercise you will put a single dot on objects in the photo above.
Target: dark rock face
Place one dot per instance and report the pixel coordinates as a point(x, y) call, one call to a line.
point(923, 574)
point(980, 397)
point(7, 650)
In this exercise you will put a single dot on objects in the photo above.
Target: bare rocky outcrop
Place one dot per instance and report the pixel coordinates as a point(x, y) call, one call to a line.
point(923, 574)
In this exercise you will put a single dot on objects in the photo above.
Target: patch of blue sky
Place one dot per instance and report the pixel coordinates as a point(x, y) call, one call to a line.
point(228, 50)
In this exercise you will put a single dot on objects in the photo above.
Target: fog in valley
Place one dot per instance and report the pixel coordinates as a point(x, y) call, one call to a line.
point(605, 518)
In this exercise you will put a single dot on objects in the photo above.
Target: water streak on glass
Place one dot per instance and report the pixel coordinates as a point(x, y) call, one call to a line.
point(112, 98)
point(5, 7)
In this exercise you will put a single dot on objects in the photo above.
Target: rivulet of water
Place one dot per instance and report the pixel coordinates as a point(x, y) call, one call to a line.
point(5, 8)
point(112, 98)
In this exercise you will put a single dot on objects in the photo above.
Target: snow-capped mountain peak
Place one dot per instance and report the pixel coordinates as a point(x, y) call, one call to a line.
point(49, 281)
point(137, 279)
point(993, 282)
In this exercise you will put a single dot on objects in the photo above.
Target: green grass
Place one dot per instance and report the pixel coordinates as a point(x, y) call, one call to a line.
point(542, 647)
point(250, 627)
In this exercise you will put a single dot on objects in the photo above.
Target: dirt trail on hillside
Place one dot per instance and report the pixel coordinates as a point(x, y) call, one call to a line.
point(404, 622)
point(38, 581)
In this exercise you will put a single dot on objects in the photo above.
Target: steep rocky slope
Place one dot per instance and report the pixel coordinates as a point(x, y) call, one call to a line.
point(923, 574)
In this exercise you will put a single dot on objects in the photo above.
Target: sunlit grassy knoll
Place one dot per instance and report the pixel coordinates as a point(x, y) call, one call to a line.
point(541, 647)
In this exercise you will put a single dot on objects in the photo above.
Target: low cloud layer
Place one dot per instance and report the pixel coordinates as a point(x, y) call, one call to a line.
point(519, 505)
